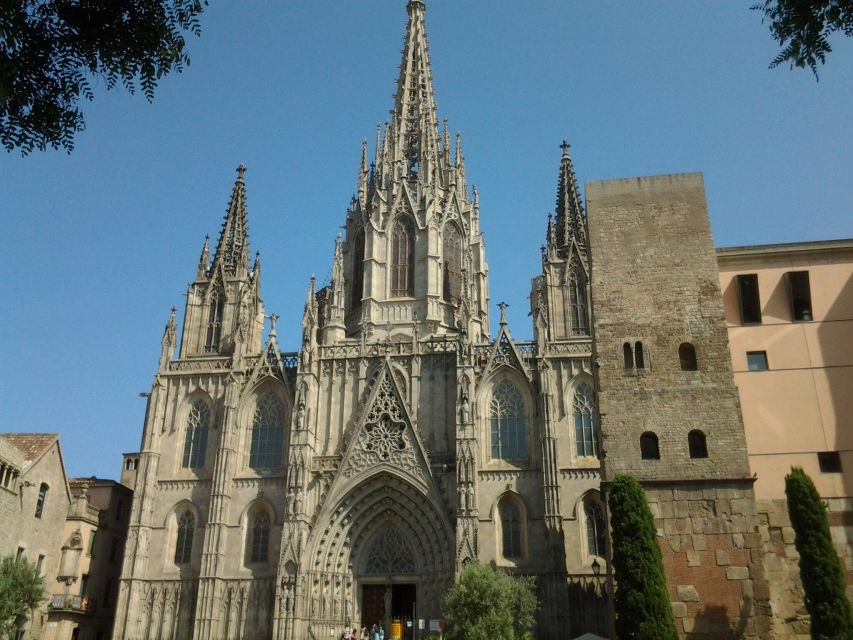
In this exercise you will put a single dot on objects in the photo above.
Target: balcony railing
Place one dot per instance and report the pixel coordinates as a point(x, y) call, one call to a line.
point(63, 602)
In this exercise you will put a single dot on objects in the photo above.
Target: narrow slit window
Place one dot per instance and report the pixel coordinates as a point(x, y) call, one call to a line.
point(628, 354)
point(358, 270)
point(639, 355)
point(750, 301)
point(42, 497)
point(800, 295)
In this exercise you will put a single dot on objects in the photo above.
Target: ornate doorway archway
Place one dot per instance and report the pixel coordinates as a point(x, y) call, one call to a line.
point(382, 534)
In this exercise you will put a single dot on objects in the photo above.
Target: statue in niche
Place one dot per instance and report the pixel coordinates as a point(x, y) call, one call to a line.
point(300, 413)
point(465, 408)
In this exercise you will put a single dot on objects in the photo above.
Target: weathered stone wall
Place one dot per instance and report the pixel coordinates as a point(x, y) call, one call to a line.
point(655, 287)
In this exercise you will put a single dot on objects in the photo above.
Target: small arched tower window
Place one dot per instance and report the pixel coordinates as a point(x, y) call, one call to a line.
point(578, 306)
point(586, 436)
point(452, 253)
point(215, 311)
point(639, 355)
point(184, 540)
point(649, 448)
point(509, 438)
point(628, 353)
point(195, 439)
point(403, 258)
point(687, 357)
point(510, 528)
point(358, 270)
point(267, 433)
point(42, 498)
point(259, 535)
point(697, 444)
point(595, 531)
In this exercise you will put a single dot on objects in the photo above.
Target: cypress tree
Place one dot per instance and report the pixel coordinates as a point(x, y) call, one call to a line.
point(642, 604)
point(820, 569)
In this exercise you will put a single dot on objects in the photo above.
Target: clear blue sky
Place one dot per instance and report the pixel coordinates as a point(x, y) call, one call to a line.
point(101, 243)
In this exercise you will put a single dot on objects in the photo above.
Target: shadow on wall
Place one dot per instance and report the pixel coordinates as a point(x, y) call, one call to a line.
point(713, 622)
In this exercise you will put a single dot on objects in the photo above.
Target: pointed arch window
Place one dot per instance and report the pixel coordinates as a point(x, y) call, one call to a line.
point(184, 540)
point(42, 498)
point(508, 434)
point(510, 529)
point(215, 311)
point(267, 433)
point(403, 258)
point(259, 536)
point(586, 427)
point(358, 270)
point(195, 439)
point(578, 304)
point(452, 268)
point(595, 532)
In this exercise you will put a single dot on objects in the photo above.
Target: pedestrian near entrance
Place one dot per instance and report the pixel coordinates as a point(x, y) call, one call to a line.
point(347, 634)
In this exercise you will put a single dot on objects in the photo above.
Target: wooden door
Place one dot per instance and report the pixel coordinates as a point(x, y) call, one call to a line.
point(372, 604)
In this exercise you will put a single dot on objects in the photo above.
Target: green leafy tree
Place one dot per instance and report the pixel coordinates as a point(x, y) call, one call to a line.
point(487, 604)
point(51, 50)
point(802, 28)
point(820, 569)
point(642, 604)
point(21, 589)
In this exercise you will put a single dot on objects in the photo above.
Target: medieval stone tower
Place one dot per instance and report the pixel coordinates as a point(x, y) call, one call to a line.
point(284, 495)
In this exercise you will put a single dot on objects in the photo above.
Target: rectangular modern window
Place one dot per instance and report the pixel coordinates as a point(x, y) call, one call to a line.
point(92, 543)
point(829, 461)
point(800, 295)
point(84, 584)
point(750, 301)
point(756, 360)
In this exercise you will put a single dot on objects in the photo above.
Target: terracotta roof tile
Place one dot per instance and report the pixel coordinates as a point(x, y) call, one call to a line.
point(32, 445)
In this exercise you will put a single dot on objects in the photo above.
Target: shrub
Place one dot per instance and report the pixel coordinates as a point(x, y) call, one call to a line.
point(21, 589)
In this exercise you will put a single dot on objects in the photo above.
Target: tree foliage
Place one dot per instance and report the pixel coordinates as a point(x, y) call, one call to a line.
point(803, 27)
point(51, 50)
point(21, 589)
point(642, 604)
point(487, 604)
point(820, 569)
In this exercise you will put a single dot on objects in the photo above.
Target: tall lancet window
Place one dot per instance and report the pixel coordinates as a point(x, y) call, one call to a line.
point(586, 435)
point(403, 258)
point(195, 439)
point(260, 536)
point(267, 433)
point(184, 540)
point(452, 251)
point(215, 310)
point(510, 528)
point(358, 270)
point(578, 306)
point(509, 439)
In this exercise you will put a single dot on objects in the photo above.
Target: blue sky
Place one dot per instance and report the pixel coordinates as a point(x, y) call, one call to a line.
point(102, 242)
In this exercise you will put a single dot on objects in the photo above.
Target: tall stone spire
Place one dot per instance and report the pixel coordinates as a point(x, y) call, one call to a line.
point(570, 222)
point(232, 251)
point(414, 116)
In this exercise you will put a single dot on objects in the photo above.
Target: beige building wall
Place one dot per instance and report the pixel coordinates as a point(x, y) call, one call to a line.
point(36, 459)
point(802, 404)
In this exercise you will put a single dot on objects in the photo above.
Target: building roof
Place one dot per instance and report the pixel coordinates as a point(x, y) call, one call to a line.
point(32, 445)
point(786, 247)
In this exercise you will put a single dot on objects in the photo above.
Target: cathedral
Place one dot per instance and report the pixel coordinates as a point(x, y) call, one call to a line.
point(288, 494)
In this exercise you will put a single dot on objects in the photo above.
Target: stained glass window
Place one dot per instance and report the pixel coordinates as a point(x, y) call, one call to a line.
point(509, 439)
point(403, 258)
point(195, 439)
point(586, 436)
point(260, 531)
point(184, 542)
point(267, 433)
point(452, 250)
point(595, 533)
point(510, 528)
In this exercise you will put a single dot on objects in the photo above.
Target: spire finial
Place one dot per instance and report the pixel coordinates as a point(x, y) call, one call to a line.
point(232, 250)
point(503, 307)
point(241, 171)
point(273, 331)
point(565, 146)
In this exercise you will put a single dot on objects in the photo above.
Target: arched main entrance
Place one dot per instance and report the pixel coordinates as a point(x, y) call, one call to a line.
point(384, 547)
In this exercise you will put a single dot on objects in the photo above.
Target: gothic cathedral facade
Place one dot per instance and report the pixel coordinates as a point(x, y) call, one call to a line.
point(285, 495)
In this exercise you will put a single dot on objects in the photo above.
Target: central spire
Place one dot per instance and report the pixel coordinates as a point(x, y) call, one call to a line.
point(414, 119)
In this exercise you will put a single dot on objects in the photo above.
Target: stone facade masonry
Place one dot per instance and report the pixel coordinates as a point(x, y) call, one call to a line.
point(655, 288)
